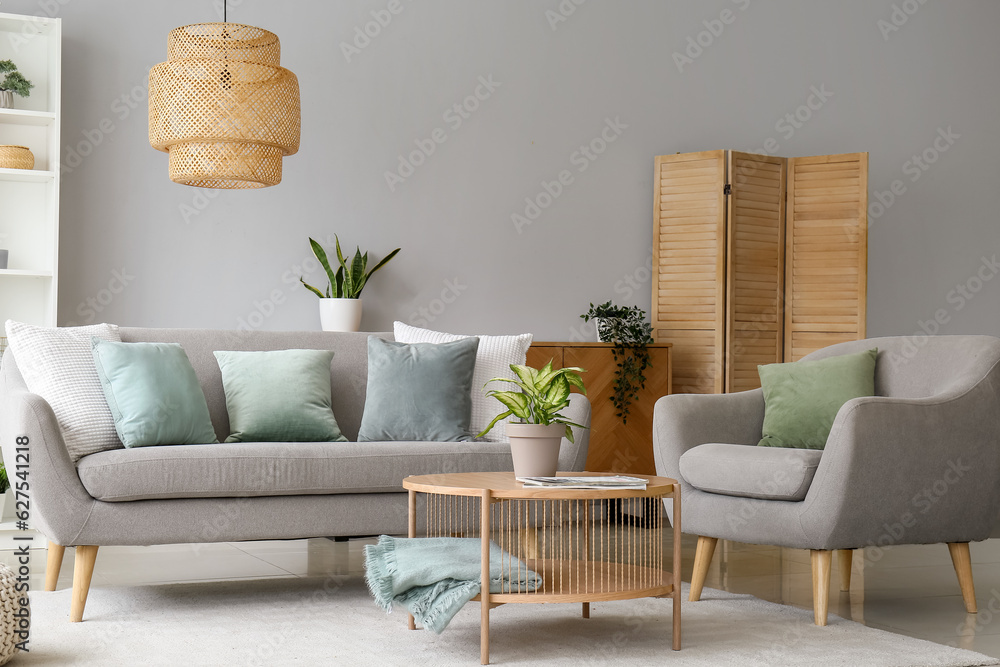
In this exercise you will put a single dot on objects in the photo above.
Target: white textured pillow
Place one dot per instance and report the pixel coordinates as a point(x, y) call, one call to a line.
point(58, 365)
point(495, 355)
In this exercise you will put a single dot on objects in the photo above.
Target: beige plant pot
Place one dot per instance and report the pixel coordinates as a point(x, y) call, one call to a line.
point(535, 448)
point(6, 99)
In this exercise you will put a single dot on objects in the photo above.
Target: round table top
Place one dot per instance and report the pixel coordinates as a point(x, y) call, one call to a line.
point(504, 485)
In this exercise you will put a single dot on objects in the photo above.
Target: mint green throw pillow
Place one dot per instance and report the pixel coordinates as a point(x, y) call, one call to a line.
point(279, 396)
point(802, 398)
point(153, 394)
point(419, 391)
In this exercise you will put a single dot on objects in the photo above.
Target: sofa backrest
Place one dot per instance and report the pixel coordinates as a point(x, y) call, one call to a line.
point(349, 369)
point(923, 366)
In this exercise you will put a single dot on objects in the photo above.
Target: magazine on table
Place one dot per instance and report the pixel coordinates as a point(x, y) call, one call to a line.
point(602, 482)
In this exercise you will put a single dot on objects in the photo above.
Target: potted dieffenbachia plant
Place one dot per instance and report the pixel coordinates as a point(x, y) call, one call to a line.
point(535, 439)
point(340, 305)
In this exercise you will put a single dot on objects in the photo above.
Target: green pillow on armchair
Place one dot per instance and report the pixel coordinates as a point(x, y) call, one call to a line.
point(802, 398)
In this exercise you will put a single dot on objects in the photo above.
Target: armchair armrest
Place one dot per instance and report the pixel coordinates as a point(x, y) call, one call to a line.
point(909, 471)
point(60, 505)
point(573, 456)
point(683, 421)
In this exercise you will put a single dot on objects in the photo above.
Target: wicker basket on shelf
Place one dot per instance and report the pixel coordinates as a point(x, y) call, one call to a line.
point(16, 157)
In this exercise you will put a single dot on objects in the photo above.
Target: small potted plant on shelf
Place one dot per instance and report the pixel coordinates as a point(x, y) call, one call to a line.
point(340, 305)
point(535, 440)
point(628, 331)
point(13, 82)
point(7, 500)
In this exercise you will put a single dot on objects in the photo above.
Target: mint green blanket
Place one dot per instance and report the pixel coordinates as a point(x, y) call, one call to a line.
point(433, 577)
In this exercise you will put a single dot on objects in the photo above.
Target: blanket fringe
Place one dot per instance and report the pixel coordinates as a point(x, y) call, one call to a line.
point(380, 566)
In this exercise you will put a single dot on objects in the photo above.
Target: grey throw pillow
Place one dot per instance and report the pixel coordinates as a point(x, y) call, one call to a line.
point(420, 391)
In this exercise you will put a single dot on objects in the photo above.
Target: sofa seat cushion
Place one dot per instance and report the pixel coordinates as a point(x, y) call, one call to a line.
point(750, 472)
point(235, 470)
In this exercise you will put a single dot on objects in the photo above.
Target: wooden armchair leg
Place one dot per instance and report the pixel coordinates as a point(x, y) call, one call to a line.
point(962, 561)
point(844, 557)
point(702, 560)
point(821, 561)
point(86, 556)
point(53, 564)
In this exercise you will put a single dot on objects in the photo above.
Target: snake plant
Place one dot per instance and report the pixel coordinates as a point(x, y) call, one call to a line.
point(543, 394)
point(350, 278)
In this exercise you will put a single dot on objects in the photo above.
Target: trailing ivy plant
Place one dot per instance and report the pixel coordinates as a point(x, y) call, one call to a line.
point(13, 80)
point(628, 331)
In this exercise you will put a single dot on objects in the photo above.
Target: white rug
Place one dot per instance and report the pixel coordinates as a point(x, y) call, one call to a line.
point(334, 622)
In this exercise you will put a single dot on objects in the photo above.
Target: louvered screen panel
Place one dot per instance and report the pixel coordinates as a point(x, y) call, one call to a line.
point(756, 226)
point(689, 255)
point(826, 253)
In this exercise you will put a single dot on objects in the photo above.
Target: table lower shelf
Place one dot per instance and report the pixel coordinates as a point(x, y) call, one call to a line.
point(590, 581)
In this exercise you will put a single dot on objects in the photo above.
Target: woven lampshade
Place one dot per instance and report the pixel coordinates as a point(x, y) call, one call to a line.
point(222, 106)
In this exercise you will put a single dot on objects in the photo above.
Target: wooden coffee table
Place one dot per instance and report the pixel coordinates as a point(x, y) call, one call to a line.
point(581, 556)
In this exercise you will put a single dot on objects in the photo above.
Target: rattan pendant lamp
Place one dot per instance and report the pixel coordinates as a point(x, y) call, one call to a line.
point(222, 106)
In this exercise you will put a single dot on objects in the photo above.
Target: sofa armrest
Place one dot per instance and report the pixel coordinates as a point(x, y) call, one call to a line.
point(60, 505)
point(684, 421)
point(909, 471)
point(573, 456)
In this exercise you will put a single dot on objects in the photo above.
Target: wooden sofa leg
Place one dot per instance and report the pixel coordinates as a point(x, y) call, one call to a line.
point(86, 556)
point(844, 557)
point(53, 564)
point(962, 561)
point(821, 561)
point(702, 560)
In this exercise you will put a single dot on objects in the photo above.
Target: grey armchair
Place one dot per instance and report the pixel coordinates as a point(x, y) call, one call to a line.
point(919, 463)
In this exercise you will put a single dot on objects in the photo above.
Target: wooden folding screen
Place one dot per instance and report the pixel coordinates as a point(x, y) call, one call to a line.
point(757, 259)
point(754, 275)
point(826, 271)
point(689, 261)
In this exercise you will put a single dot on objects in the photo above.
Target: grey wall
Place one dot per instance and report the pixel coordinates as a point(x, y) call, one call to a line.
point(193, 260)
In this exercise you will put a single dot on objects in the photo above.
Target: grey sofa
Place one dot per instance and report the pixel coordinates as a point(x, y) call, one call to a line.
point(919, 463)
point(232, 492)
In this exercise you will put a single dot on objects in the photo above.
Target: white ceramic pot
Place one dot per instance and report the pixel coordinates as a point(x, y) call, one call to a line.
point(6, 99)
point(340, 314)
point(535, 448)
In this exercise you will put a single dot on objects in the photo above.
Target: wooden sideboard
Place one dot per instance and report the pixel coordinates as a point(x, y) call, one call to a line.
point(614, 447)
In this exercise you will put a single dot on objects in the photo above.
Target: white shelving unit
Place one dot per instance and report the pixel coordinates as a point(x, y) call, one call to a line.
point(29, 199)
